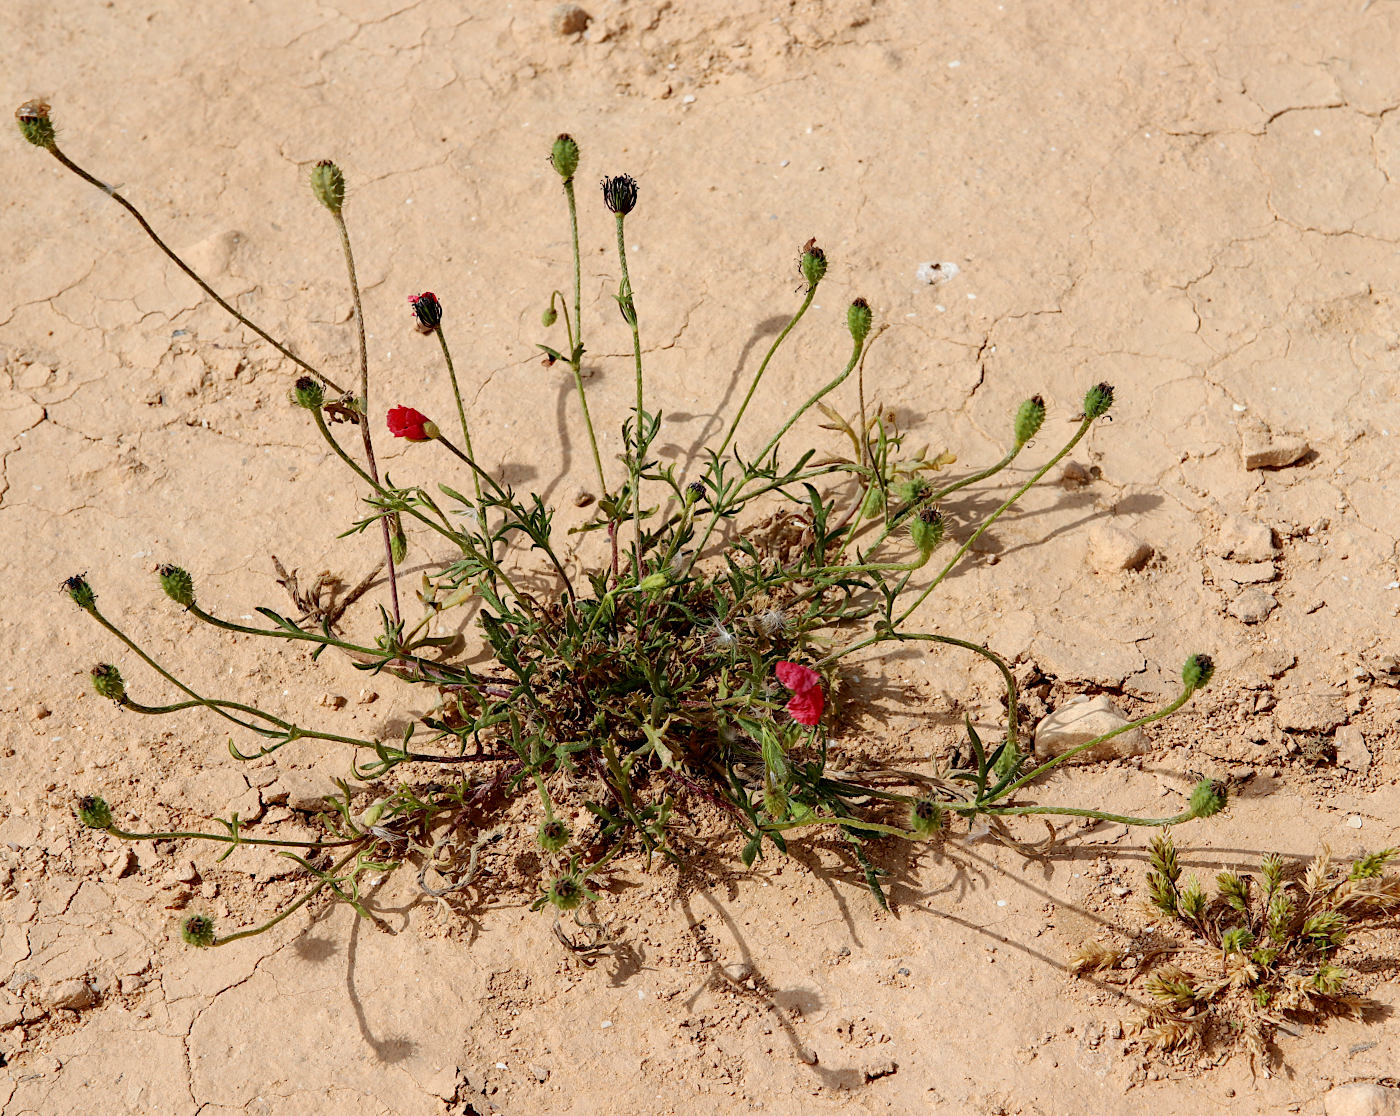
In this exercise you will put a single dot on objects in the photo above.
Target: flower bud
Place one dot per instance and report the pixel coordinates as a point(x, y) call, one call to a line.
point(1097, 400)
point(925, 817)
point(549, 317)
point(428, 310)
point(563, 156)
point(34, 123)
point(653, 581)
point(926, 528)
point(1207, 799)
point(328, 184)
point(94, 812)
point(1197, 672)
point(398, 542)
point(108, 682)
point(198, 931)
point(812, 264)
point(308, 393)
point(566, 892)
point(78, 588)
point(372, 814)
point(405, 422)
point(914, 489)
point(1028, 419)
point(858, 320)
point(694, 491)
point(553, 835)
point(620, 194)
point(177, 584)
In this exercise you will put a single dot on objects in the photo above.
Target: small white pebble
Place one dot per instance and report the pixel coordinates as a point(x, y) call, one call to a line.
point(1240, 407)
point(605, 1023)
point(1001, 902)
point(688, 99)
point(1354, 821)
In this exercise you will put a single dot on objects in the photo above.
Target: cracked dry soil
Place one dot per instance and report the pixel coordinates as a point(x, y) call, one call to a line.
point(1197, 202)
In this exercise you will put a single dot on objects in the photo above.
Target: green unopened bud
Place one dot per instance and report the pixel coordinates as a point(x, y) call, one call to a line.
point(566, 893)
point(695, 490)
point(328, 184)
point(654, 581)
point(914, 489)
point(1197, 672)
point(108, 682)
point(177, 584)
point(858, 319)
point(553, 835)
point(925, 817)
point(549, 317)
point(813, 263)
point(94, 812)
point(398, 541)
point(1097, 400)
point(198, 931)
point(563, 156)
point(307, 392)
point(926, 528)
point(1028, 419)
point(34, 123)
point(78, 588)
point(1208, 799)
point(373, 813)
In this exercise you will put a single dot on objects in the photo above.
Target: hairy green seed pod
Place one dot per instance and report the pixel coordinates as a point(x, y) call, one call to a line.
point(553, 835)
point(94, 812)
point(177, 584)
point(858, 320)
point(926, 528)
point(1097, 400)
point(78, 588)
point(566, 892)
point(34, 123)
point(695, 490)
point(308, 393)
point(328, 184)
point(107, 681)
point(1208, 799)
point(925, 817)
point(813, 264)
point(1029, 417)
point(198, 931)
point(549, 317)
point(1198, 671)
point(620, 194)
point(914, 489)
point(563, 156)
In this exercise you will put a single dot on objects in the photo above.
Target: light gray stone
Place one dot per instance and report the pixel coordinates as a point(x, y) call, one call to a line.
point(1351, 749)
point(1113, 549)
point(1315, 712)
point(1244, 540)
point(1080, 720)
point(1361, 1099)
point(1263, 450)
point(1252, 606)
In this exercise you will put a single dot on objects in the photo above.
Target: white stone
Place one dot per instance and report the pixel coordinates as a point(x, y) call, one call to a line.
point(1114, 549)
point(1253, 606)
point(1361, 1099)
point(1352, 752)
point(1080, 720)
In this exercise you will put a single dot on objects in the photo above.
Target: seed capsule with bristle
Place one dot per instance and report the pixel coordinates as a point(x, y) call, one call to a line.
point(1197, 672)
point(620, 194)
point(94, 812)
point(553, 835)
point(328, 184)
point(198, 931)
point(563, 156)
point(858, 320)
point(566, 893)
point(812, 264)
point(177, 584)
point(926, 528)
point(1097, 400)
point(1029, 417)
point(1208, 799)
point(34, 123)
point(78, 588)
point(306, 392)
point(107, 681)
point(925, 817)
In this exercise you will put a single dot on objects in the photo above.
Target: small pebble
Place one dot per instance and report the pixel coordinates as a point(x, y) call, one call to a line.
point(569, 19)
point(1355, 821)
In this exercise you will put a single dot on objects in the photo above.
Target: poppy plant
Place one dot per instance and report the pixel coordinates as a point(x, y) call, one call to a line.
point(808, 700)
point(405, 422)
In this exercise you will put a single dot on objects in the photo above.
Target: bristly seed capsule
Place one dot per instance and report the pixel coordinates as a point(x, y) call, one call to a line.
point(177, 584)
point(108, 682)
point(1029, 418)
point(812, 264)
point(328, 184)
point(858, 320)
point(620, 194)
point(563, 156)
point(198, 931)
point(1197, 672)
point(553, 835)
point(306, 392)
point(78, 588)
point(94, 812)
point(1097, 400)
point(34, 123)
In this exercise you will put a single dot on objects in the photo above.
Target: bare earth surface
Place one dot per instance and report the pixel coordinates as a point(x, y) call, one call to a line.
point(1198, 202)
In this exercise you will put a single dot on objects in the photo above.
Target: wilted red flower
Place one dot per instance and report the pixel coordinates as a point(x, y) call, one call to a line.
point(428, 309)
point(405, 422)
point(808, 700)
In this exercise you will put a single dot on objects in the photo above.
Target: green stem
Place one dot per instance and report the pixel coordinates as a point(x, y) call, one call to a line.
point(205, 287)
point(306, 898)
point(576, 338)
point(629, 307)
point(461, 410)
point(231, 840)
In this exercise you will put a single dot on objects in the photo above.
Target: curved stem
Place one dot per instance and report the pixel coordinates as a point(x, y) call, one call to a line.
point(111, 192)
point(306, 898)
point(576, 338)
point(629, 309)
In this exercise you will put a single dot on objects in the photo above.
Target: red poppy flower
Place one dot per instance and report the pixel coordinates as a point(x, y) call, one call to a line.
point(428, 310)
point(808, 700)
point(405, 422)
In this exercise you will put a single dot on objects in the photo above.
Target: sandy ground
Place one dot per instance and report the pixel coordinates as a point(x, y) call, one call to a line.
point(1199, 202)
